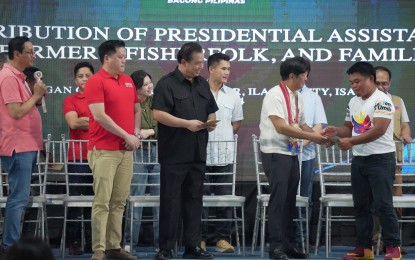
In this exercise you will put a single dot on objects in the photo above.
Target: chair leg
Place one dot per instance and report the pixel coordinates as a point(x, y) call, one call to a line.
point(238, 244)
point(243, 230)
point(300, 221)
point(319, 223)
point(263, 230)
point(82, 230)
point(45, 224)
point(327, 232)
point(65, 219)
point(307, 231)
point(131, 226)
point(379, 238)
point(255, 232)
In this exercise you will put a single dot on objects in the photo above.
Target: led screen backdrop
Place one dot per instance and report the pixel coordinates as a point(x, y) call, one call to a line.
point(257, 34)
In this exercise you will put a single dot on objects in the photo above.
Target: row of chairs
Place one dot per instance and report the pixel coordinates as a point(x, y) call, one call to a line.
point(53, 186)
point(334, 168)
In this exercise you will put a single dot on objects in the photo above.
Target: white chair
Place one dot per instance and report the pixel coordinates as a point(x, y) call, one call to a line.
point(224, 153)
point(334, 171)
point(263, 200)
point(145, 159)
point(55, 182)
point(75, 201)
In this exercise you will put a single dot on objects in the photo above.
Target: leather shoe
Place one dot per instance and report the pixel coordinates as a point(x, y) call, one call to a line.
point(163, 254)
point(196, 253)
point(293, 252)
point(277, 254)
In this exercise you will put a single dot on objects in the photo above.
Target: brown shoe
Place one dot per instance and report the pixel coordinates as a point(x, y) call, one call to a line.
point(120, 254)
point(98, 255)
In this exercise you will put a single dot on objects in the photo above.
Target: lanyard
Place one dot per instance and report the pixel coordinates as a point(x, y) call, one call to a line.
point(287, 99)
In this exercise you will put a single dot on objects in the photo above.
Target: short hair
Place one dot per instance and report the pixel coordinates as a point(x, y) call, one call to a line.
point(3, 57)
point(138, 78)
point(29, 248)
point(216, 58)
point(83, 64)
point(108, 48)
point(187, 50)
point(296, 65)
point(16, 44)
point(381, 68)
point(30, 74)
point(364, 68)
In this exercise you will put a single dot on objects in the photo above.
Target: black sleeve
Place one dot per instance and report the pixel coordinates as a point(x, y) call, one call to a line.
point(213, 107)
point(163, 97)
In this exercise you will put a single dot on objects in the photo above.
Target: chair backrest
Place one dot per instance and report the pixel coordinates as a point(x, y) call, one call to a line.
point(55, 178)
point(39, 172)
point(261, 179)
point(146, 163)
point(221, 153)
point(73, 151)
point(404, 159)
point(334, 167)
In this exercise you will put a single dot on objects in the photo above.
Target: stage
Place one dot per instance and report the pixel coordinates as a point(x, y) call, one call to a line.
point(337, 252)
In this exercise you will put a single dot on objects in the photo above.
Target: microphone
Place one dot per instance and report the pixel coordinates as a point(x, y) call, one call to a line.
point(38, 75)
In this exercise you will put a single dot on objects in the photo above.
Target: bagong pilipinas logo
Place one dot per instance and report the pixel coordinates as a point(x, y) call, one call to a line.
point(361, 123)
point(383, 105)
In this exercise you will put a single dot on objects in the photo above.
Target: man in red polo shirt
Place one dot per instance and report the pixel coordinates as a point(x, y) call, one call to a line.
point(20, 133)
point(114, 129)
point(76, 113)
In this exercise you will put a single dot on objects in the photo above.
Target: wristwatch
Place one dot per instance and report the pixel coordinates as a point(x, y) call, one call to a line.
point(139, 137)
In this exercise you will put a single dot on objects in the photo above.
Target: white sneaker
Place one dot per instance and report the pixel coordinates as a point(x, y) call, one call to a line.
point(223, 246)
point(128, 249)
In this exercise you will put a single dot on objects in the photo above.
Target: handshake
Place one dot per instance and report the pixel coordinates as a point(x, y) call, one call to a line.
point(330, 132)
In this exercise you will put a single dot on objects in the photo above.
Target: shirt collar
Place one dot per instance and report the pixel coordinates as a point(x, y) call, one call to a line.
point(105, 74)
point(79, 95)
point(15, 71)
point(181, 77)
point(224, 89)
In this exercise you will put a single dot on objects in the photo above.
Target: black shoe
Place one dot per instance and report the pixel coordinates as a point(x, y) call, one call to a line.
point(293, 252)
point(277, 254)
point(196, 253)
point(163, 254)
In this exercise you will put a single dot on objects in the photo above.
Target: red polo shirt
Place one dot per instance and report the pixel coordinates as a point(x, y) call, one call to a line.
point(77, 103)
point(24, 134)
point(119, 97)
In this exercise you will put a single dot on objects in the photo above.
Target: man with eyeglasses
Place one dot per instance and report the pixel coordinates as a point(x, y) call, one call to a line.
point(401, 132)
point(20, 120)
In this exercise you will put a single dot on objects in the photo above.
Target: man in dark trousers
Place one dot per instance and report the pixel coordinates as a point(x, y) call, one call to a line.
point(185, 110)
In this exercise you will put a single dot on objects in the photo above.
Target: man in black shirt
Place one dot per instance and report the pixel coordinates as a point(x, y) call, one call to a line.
point(185, 110)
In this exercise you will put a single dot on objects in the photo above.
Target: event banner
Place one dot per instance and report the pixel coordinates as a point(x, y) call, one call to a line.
point(257, 34)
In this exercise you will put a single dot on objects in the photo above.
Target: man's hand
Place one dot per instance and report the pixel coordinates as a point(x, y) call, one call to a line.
point(406, 139)
point(40, 89)
point(318, 138)
point(211, 128)
point(146, 133)
point(345, 144)
point(194, 125)
point(131, 142)
point(330, 131)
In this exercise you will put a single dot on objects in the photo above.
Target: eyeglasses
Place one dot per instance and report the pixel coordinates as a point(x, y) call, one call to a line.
point(383, 84)
point(32, 53)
